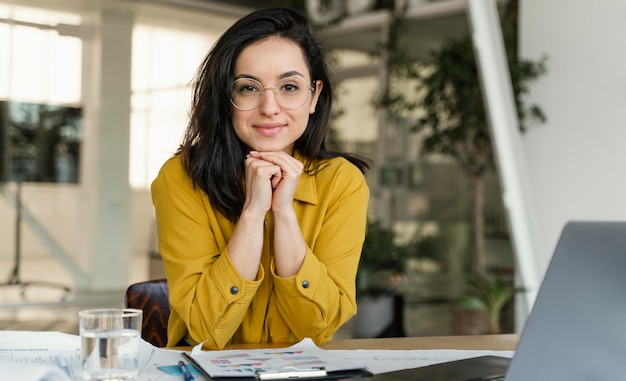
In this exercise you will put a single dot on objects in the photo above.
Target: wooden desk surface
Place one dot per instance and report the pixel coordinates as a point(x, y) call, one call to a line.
point(488, 342)
point(506, 342)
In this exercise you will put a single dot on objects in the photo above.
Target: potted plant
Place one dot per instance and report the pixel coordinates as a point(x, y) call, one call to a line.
point(484, 297)
point(380, 271)
point(382, 260)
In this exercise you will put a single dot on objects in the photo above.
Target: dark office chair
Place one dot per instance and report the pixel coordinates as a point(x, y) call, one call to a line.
point(153, 298)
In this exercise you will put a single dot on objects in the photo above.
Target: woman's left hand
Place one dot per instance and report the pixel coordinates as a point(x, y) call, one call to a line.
point(285, 183)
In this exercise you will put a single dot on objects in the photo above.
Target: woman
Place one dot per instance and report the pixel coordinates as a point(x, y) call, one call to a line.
point(260, 227)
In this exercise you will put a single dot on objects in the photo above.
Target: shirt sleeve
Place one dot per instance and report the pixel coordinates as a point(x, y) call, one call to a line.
point(322, 296)
point(208, 296)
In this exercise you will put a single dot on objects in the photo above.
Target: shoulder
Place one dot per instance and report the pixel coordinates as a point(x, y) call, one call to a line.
point(172, 186)
point(338, 164)
point(172, 165)
point(338, 171)
point(172, 172)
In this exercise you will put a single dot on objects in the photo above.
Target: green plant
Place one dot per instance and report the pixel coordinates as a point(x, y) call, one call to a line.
point(456, 124)
point(451, 111)
point(382, 260)
point(489, 295)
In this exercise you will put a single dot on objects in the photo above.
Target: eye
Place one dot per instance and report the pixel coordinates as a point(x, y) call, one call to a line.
point(289, 88)
point(248, 88)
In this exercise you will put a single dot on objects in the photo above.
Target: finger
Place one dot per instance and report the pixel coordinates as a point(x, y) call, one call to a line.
point(258, 168)
point(276, 179)
point(289, 164)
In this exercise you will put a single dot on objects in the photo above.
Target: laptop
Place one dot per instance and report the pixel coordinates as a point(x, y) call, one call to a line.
point(577, 327)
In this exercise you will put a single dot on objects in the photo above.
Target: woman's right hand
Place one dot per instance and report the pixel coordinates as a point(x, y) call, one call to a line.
point(261, 177)
point(246, 243)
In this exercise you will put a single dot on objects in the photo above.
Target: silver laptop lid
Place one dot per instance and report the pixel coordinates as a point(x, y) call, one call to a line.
point(577, 328)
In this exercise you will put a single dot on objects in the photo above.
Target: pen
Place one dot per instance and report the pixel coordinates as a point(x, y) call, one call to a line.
point(186, 373)
point(61, 363)
point(290, 373)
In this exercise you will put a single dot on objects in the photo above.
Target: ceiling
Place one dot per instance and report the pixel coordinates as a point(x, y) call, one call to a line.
point(236, 8)
point(428, 24)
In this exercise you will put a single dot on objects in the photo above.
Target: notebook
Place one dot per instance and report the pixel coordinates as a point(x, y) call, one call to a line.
point(577, 328)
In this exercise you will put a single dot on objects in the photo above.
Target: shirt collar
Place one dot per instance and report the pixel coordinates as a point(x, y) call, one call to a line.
point(307, 188)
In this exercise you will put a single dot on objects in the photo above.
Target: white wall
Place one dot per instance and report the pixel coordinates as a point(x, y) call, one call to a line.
point(577, 159)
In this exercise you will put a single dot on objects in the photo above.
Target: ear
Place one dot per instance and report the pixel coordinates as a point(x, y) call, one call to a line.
point(316, 95)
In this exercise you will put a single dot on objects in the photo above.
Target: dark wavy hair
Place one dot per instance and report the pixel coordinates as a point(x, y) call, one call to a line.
point(212, 155)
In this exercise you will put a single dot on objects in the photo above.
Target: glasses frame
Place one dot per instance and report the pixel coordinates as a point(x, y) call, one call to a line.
point(276, 95)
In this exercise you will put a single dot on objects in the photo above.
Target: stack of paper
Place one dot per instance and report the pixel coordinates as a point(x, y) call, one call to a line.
point(300, 360)
point(33, 373)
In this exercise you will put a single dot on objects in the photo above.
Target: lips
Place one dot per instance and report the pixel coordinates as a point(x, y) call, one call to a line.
point(269, 130)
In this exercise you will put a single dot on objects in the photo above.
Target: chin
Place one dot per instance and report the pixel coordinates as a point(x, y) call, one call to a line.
point(272, 148)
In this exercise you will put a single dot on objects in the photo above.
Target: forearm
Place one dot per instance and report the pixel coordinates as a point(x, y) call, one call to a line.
point(289, 245)
point(246, 244)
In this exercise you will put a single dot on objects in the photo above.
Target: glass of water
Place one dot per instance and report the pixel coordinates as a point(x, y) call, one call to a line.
point(110, 340)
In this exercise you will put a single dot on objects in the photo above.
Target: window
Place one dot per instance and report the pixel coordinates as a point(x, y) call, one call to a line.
point(164, 63)
point(42, 65)
point(40, 94)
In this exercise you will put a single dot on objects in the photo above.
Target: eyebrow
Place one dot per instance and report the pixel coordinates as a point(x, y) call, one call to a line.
point(292, 73)
point(287, 74)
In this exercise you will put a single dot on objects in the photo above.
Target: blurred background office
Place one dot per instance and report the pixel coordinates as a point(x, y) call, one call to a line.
point(94, 97)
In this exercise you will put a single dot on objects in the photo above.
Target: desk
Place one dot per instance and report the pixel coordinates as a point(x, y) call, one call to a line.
point(390, 354)
point(31, 345)
point(506, 342)
point(487, 342)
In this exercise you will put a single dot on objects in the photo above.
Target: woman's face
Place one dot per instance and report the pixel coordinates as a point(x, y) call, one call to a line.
point(277, 63)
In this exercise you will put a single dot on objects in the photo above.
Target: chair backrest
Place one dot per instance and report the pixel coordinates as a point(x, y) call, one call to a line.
point(153, 298)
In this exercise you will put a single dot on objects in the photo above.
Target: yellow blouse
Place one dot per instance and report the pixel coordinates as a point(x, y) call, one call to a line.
point(212, 303)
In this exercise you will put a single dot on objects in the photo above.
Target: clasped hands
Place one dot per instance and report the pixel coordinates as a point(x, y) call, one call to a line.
point(271, 180)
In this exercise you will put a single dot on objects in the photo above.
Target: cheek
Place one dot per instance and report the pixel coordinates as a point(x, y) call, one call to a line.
point(239, 123)
point(303, 120)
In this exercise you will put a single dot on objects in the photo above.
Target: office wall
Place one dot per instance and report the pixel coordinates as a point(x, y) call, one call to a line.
point(101, 223)
point(577, 159)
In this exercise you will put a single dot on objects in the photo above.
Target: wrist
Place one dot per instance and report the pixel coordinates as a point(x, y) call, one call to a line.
point(287, 214)
point(251, 216)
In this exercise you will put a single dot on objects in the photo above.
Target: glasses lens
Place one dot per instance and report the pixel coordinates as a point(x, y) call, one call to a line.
point(290, 93)
point(246, 94)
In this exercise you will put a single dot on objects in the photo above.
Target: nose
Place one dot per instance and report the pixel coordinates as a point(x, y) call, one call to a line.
point(269, 101)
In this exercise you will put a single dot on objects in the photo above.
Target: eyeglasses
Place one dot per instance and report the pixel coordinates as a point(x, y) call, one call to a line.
point(290, 93)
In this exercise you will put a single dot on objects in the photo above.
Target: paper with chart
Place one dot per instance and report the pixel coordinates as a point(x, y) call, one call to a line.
point(247, 363)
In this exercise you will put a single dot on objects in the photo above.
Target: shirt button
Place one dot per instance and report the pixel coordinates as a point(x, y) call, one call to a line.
point(234, 290)
point(305, 284)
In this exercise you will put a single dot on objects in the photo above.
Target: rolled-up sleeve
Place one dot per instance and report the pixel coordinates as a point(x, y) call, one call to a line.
point(322, 296)
point(208, 297)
